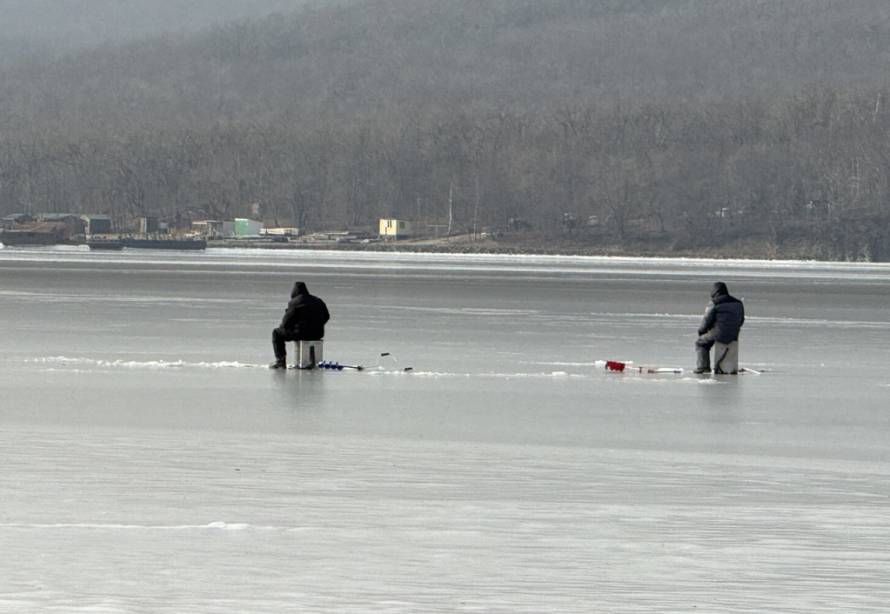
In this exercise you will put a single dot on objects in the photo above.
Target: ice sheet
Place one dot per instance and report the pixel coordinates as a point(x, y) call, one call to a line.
point(150, 463)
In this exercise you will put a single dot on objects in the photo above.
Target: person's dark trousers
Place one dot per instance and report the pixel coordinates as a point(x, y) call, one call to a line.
point(280, 336)
point(703, 347)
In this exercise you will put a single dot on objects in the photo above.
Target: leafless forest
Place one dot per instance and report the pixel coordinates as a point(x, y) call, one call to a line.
point(753, 126)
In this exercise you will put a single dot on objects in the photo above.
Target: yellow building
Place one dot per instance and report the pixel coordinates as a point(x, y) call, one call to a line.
point(395, 229)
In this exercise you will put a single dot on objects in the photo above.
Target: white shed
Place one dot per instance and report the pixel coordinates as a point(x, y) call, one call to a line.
point(395, 229)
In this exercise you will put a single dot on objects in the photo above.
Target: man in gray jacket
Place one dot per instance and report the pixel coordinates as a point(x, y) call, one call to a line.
point(722, 321)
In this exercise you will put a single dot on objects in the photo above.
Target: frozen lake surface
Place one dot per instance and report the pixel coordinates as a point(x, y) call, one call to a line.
point(150, 462)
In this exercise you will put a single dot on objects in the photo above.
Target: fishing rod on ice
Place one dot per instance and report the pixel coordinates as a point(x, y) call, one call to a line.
point(387, 354)
point(618, 366)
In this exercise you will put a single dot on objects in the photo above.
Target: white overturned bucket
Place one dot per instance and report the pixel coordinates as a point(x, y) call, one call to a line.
point(309, 353)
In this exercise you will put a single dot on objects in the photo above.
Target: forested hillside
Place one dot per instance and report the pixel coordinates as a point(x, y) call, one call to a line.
point(62, 25)
point(678, 123)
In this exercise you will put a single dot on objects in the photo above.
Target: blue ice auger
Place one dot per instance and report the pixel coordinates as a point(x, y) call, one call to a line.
point(336, 366)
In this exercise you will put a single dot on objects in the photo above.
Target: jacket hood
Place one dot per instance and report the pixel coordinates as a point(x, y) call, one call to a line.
point(719, 289)
point(299, 288)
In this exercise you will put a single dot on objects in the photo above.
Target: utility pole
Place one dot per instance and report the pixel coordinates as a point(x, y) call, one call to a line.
point(476, 207)
point(450, 206)
point(417, 217)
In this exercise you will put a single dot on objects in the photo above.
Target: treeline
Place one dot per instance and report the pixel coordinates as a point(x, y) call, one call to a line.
point(352, 57)
point(813, 168)
point(64, 25)
point(285, 114)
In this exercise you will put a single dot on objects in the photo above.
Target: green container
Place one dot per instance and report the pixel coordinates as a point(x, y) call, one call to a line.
point(244, 227)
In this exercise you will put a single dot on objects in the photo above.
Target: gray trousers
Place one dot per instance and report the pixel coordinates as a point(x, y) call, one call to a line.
point(703, 346)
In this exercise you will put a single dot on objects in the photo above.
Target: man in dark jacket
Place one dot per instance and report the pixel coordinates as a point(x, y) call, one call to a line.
point(722, 321)
point(303, 320)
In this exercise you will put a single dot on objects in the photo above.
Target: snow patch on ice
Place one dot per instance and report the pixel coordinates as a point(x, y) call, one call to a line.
point(139, 364)
point(707, 381)
point(561, 363)
point(228, 526)
point(489, 375)
point(215, 525)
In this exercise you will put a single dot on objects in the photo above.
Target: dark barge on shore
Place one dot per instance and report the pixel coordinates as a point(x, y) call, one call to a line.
point(148, 242)
point(46, 233)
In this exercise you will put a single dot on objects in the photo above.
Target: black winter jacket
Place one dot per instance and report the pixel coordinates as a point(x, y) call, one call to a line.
point(723, 318)
point(305, 315)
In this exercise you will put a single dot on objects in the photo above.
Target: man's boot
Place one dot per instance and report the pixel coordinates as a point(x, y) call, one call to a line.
point(279, 364)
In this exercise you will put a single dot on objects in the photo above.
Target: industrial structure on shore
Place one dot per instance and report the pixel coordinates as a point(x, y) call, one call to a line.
point(98, 232)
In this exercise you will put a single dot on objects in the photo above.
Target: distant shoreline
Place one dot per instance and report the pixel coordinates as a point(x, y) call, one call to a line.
point(747, 251)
